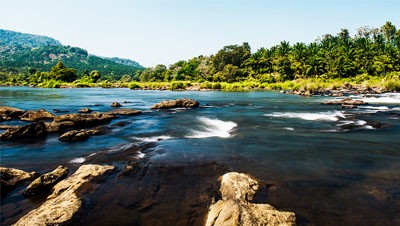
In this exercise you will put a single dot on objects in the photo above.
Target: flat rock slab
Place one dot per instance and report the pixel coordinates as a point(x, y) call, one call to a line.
point(65, 200)
point(124, 111)
point(235, 208)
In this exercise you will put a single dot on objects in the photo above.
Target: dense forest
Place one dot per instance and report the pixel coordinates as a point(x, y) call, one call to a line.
point(369, 58)
point(371, 51)
point(26, 54)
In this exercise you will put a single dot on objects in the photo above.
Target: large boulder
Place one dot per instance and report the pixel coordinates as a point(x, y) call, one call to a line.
point(10, 177)
point(116, 105)
point(7, 113)
point(85, 120)
point(33, 130)
point(65, 199)
point(59, 127)
point(46, 181)
point(124, 111)
point(40, 114)
point(178, 103)
point(235, 208)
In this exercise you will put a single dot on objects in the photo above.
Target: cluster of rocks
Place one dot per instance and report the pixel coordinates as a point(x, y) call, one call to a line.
point(345, 103)
point(66, 193)
point(73, 126)
point(346, 90)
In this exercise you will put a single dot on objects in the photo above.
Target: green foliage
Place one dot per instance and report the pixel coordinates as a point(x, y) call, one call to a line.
point(179, 85)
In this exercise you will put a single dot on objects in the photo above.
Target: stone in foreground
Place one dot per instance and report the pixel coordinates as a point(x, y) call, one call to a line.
point(178, 103)
point(10, 177)
point(235, 208)
point(33, 130)
point(46, 181)
point(65, 201)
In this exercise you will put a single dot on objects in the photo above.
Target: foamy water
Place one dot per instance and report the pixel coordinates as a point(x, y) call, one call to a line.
point(153, 139)
point(213, 128)
point(320, 116)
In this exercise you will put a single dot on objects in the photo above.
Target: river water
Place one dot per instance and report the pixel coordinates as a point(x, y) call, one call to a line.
point(330, 166)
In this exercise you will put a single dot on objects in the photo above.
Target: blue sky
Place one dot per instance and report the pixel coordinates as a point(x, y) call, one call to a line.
point(165, 31)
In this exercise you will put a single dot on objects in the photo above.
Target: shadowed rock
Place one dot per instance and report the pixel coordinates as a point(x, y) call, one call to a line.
point(8, 113)
point(33, 130)
point(65, 199)
point(124, 111)
point(46, 181)
point(85, 120)
point(116, 105)
point(85, 110)
point(10, 177)
point(235, 208)
point(59, 127)
point(184, 102)
point(40, 114)
point(80, 135)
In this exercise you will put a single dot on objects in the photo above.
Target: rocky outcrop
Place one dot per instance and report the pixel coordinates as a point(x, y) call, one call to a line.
point(235, 208)
point(10, 177)
point(85, 110)
point(8, 113)
point(85, 120)
point(40, 114)
point(124, 111)
point(59, 127)
point(116, 105)
point(178, 103)
point(33, 130)
point(65, 199)
point(80, 135)
point(346, 101)
point(46, 181)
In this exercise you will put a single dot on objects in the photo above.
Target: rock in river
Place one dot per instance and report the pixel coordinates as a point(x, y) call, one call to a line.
point(235, 208)
point(184, 102)
point(33, 130)
point(80, 135)
point(46, 181)
point(10, 177)
point(85, 110)
point(346, 101)
point(65, 199)
point(124, 111)
point(116, 105)
point(40, 114)
point(85, 120)
point(7, 113)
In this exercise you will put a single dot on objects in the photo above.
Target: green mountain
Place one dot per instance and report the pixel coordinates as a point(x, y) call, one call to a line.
point(24, 53)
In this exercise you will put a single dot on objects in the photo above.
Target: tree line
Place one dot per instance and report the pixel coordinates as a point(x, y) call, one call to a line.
point(372, 51)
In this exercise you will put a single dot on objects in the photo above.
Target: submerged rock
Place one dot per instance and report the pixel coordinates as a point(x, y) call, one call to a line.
point(65, 199)
point(346, 101)
point(33, 130)
point(184, 102)
point(235, 208)
point(8, 113)
point(46, 181)
point(85, 110)
point(124, 111)
point(40, 114)
point(116, 105)
point(85, 120)
point(10, 177)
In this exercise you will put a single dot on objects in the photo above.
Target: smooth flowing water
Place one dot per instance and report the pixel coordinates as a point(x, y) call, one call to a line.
point(330, 166)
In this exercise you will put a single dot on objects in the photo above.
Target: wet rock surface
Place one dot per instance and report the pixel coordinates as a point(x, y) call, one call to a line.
point(46, 181)
point(124, 111)
point(40, 114)
point(85, 120)
point(116, 105)
point(85, 110)
point(31, 131)
point(80, 135)
point(10, 178)
point(65, 200)
point(235, 207)
point(8, 113)
point(345, 102)
point(178, 103)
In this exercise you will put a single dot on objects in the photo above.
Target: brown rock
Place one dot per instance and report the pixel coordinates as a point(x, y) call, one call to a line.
point(124, 111)
point(85, 120)
point(75, 135)
point(33, 130)
point(85, 110)
point(58, 127)
point(184, 102)
point(8, 113)
point(346, 101)
point(10, 177)
point(65, 200)
point(116, 105)
point(40, 114)
point(46, 181)
point(235, 208)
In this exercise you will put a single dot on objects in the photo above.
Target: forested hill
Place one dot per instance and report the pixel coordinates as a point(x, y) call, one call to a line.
point(22, 53)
